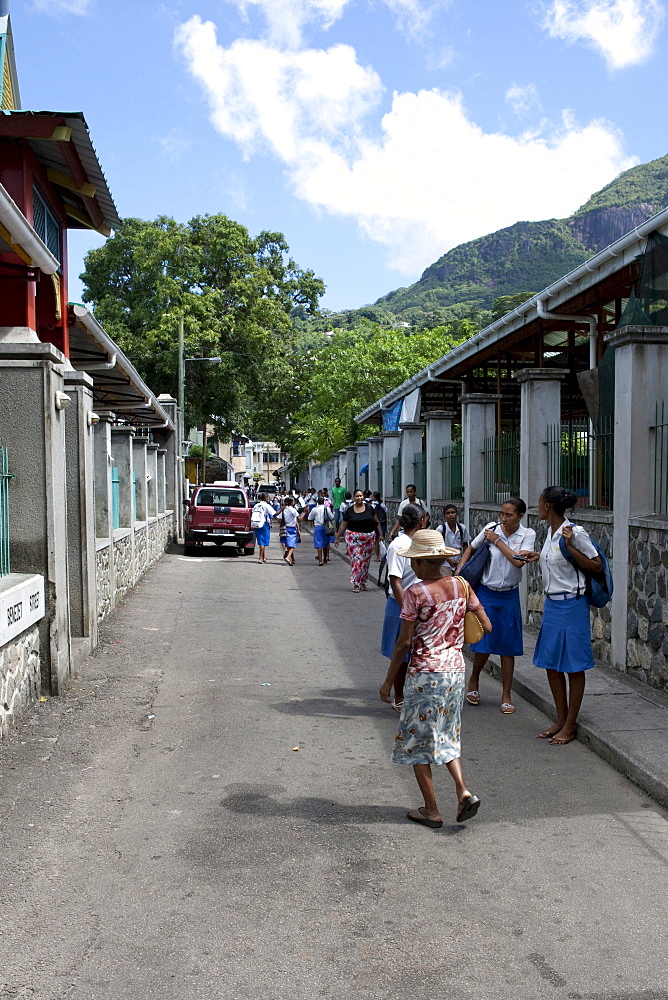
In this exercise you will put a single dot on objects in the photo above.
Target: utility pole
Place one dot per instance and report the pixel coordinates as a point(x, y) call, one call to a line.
point(182, 375)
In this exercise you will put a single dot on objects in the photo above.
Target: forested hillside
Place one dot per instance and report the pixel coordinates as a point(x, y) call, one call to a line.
point(524, 258)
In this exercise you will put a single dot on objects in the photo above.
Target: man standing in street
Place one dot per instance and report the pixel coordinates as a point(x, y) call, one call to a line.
point(338, 494)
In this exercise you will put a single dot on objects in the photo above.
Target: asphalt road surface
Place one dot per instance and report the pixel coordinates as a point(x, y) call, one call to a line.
point(163, 838)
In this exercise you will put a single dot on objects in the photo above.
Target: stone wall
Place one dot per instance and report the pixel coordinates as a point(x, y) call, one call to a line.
point(647, 620)
point(103, 586)
point(20, 683)
point(141, 551)
point(124, 574)
point(598, 524)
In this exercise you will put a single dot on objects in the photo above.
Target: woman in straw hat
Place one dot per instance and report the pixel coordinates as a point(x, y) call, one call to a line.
point(432, 628)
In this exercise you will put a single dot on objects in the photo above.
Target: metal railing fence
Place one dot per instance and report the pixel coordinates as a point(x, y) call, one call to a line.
point(661, 459)
point(501, 467)
point(115, 498)
point(582, 461)
point(452, 472)
point(396, 476)
point(420, 473)
point(5, 477)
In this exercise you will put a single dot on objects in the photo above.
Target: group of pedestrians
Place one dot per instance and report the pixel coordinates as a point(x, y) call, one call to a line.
point(423, 629)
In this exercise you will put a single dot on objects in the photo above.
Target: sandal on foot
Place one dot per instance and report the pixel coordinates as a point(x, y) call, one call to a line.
point(468, 808)
point(398, 705)
point(418, 816)
point(507, 708)
point(473, 697)
point(356, 590)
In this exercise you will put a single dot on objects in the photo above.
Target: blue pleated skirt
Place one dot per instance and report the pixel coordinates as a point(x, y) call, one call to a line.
point(391, 627)
point(564, 640)
point(263, 535)
point(321, 539)
point(291, 537)
point(504, 612)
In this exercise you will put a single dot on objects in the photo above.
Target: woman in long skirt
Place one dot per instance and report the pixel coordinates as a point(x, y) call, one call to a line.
point(432, 627)
point(563, 647)
point(360, 525)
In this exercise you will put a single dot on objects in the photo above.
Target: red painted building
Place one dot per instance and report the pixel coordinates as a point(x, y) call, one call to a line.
point(49, 171)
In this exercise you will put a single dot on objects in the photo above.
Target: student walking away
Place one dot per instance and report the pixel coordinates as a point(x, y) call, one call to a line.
point(291, 521)
point(380, 511)
point(564, 640)
point(261, 517)
point(410, 498)
point(455, 534)
point(401, 576)
point(432, 628)
point(361, 527)
point(321, 517)
point(338, 496)
point(510, 547)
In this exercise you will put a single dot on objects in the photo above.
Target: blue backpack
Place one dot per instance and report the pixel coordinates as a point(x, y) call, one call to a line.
point(598, 586)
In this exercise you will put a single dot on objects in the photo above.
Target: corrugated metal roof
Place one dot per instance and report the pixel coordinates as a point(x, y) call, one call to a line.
point(51, 156)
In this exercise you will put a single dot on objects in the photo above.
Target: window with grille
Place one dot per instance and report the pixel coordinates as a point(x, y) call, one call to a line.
point(46, 225)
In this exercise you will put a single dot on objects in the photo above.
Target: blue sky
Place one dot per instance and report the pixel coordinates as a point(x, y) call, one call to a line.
point(375, 134)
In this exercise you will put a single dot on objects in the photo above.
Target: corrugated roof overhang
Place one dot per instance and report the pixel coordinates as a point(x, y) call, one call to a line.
point(616, 257)
point(62, 144)
point(117, 385)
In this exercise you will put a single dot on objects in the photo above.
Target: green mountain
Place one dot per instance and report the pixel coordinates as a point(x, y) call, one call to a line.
point(522, 259)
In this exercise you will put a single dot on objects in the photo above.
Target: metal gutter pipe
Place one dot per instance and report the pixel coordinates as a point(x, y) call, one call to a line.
point(589, 319)
point(23, 235)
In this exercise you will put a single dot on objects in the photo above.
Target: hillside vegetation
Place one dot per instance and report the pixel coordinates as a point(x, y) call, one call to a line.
point(523, 258)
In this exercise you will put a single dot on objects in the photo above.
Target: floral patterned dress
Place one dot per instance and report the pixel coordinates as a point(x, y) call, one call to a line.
point(430, 723)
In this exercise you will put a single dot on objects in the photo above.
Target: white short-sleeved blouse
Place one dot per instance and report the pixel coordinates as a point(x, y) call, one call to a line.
point(560, 576)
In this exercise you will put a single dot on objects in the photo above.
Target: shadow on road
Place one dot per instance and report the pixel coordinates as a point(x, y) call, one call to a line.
point(340, 703)
point(318, 810)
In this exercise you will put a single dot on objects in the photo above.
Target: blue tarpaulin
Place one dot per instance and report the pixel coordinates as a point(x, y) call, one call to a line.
point(365, 468)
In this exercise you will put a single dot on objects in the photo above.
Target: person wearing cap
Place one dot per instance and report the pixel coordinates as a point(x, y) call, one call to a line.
point(432, 628)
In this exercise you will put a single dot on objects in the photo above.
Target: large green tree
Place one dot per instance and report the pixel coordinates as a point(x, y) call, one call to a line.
point(235, 293)
point(353, 370)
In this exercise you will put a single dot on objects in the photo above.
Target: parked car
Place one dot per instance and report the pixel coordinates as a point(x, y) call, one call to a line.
point(218, 513)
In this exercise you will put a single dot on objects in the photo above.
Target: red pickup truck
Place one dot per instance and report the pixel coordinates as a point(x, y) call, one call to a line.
point(218, 513)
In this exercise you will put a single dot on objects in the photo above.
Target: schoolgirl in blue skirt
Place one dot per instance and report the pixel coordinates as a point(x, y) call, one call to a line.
point(564, 641)
point(499, 594)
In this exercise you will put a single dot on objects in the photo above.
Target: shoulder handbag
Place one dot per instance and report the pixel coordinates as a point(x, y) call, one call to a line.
point(598, 586)
point(329, 526)
point(474, 569)
point(473, 630)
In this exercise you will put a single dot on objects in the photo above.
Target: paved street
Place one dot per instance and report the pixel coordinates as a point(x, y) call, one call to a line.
point(164, 839)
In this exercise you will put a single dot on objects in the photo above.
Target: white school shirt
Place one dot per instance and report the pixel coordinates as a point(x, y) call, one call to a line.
point(266, 510)
point(321, 515)
point(560, 576)
point(458, 539)
point(500, 572)
point(417, 502)
point(399, 565)
point(290, 515)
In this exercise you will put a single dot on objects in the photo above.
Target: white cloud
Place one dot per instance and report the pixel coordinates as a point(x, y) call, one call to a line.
point(419, 181)
point(174, 144)
point(623, 31)
point(523, 100)
point(63, 6)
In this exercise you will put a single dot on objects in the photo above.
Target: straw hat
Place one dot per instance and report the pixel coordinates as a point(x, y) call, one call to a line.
point(427, 544)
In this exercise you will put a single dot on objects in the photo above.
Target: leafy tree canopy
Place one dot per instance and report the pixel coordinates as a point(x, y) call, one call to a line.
point(235, 293)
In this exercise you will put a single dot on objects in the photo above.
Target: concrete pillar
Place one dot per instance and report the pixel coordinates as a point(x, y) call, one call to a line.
point(103, 463)
point(439, 435)
point(140, 468)
point(32, 428)
point(478, 423)
point(411, 441)
point(121, 449)
point(641, 379)
point(343, 468)
point(540, 408)
point(351, 477)
point(375, 456)
point(175, 489)
point(391, 448)
point(152, 479)
point(362, 458)
point(162, 452)
point(79, 452)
